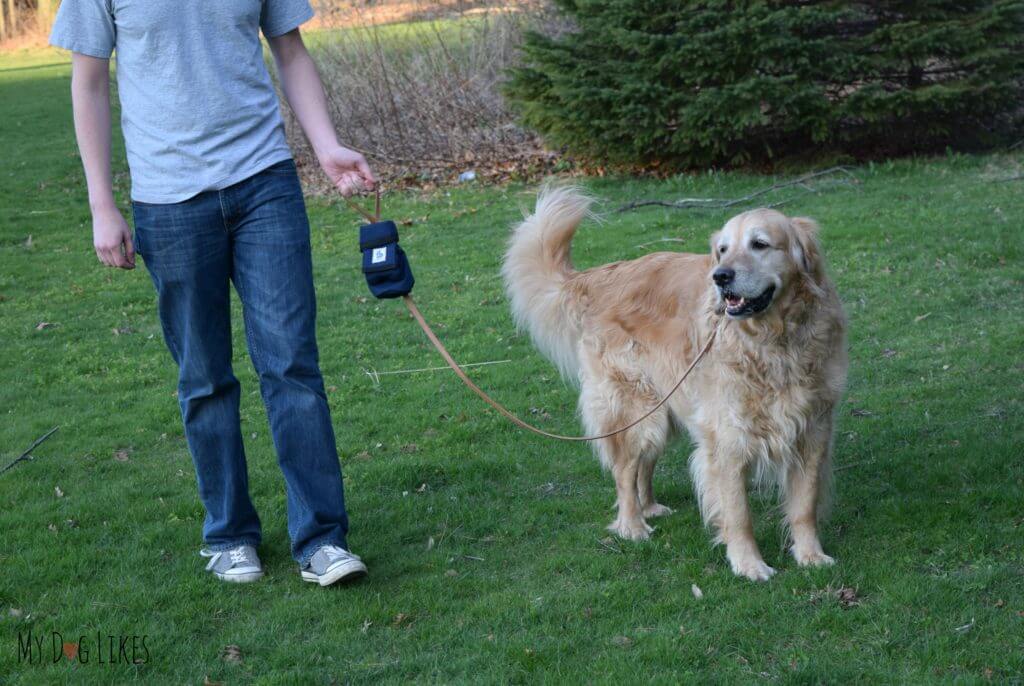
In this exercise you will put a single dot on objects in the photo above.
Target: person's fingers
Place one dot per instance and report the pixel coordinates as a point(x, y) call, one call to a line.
point(366, 173)
point(347, 185)
point(116, 258)
point(110, 255)
point(103, 253)
point(129, 250)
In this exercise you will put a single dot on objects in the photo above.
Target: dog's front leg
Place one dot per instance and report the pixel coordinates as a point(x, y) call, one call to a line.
point(806, 482)
point(736, 528)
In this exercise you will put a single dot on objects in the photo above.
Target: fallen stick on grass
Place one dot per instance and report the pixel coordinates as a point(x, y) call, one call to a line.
point(724, 203)
point(662, 240)
point(375, 374)
point(27, 455)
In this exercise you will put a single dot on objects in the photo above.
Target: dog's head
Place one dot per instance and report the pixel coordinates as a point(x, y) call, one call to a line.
point(761, 255)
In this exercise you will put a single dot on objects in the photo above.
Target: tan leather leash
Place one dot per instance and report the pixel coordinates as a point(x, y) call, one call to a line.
point(369, 217)
point(516, 420)
point(443, 351)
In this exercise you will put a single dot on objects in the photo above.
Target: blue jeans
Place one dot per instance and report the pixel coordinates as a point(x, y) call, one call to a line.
point(256, 235)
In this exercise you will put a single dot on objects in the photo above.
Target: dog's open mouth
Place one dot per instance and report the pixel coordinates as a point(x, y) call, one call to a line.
point(738, 306)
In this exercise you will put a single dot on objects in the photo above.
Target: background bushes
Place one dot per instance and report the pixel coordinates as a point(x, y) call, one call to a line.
point(416, 86)
point(688, 83)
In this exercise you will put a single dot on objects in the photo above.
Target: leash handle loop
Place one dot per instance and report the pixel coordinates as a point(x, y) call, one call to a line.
point(373, 219)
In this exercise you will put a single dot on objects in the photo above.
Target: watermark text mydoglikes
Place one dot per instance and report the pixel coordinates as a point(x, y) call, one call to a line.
point(89, 649)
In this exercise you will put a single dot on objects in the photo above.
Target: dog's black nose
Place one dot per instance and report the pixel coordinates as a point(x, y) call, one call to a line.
point(724, 276)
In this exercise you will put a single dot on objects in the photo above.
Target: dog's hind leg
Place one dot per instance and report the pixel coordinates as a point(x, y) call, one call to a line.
point(806, 485)
point(606, 405)
point(645, 487)
point(624, 458)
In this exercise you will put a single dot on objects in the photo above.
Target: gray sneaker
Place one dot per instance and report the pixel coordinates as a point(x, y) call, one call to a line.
point(331, 564)
point(240, 564)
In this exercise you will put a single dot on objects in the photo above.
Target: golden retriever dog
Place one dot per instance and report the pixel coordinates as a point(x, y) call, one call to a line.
point(761, 402)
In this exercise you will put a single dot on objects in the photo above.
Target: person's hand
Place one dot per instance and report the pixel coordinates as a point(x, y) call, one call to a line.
point(347, 170)
point(112, 239)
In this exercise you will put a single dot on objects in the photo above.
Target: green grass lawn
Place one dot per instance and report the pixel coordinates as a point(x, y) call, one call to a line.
point(487, 549)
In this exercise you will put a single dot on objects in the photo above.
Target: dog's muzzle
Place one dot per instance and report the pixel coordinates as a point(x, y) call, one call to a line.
point(739, 306)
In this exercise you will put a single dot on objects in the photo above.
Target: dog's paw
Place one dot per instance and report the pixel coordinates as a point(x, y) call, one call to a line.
point(631, 529)
point(753, 568)
point(812, 557)
point(657, 510)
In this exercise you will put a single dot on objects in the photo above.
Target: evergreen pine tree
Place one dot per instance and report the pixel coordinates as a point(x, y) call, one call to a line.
point(695, 82)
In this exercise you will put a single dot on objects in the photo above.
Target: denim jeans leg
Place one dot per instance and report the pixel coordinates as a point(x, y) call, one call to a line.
point(274, 277)
point(186, 249)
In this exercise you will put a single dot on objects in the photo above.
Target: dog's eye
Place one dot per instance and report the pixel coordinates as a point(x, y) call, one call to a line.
point(722, 249)
point(758, 244)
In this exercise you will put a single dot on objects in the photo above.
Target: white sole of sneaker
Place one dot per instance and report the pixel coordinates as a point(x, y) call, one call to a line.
point(240, 578)
point(353, 569)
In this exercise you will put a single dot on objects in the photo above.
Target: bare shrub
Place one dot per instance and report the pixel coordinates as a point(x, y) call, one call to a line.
point(422, 98)
point(25, 23)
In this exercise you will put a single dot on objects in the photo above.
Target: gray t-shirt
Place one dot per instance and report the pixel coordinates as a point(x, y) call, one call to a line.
point(198, 108)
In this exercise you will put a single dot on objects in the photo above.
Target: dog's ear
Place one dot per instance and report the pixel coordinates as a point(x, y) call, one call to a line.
point(805, 247)
point(714, 246)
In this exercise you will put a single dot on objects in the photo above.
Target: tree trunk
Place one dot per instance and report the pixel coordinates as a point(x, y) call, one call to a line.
point(12, 17)
point(45, 12)
point(3, 24)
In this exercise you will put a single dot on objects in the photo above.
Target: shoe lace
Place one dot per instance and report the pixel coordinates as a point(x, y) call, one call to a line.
point(333, 552)
point(239, 555)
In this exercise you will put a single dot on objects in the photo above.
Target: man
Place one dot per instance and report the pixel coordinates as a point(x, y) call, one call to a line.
point(216, 199)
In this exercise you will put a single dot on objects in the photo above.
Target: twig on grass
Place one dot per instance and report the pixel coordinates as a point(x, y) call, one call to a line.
point(965, 628)
point(27, 455)
point(375, 375)
point(609, 545)
point(662, 240)
point(447, 533)
point(724, 203)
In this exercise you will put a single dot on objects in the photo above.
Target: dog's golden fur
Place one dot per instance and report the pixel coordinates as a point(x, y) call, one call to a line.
point(763, 398)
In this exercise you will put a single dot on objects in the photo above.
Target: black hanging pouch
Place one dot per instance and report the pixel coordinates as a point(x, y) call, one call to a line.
point(384, 263)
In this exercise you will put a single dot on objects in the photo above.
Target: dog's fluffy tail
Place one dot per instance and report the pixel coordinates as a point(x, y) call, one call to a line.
point(536, 267)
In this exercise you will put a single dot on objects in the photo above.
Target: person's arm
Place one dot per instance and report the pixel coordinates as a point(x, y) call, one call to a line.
point(90, 98)
point(347, 169)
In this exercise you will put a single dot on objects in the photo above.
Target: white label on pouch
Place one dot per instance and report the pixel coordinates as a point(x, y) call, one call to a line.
point(379, 255)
